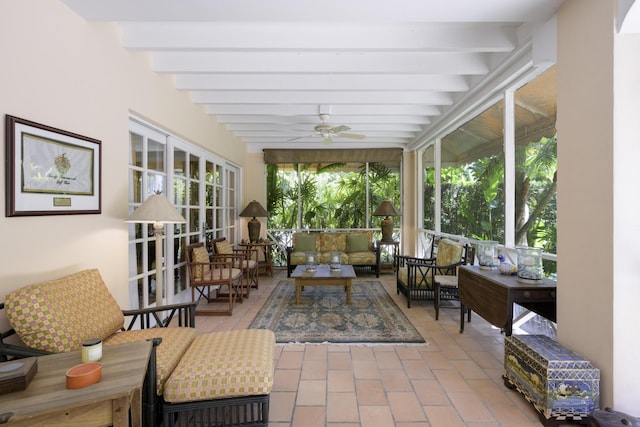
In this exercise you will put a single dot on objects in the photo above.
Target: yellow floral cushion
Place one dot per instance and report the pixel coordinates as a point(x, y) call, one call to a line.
point(223, 247)
point(360, 258)
point(224, 364)
point(175, 342)
point(59, 315)
point(449, 252)
point(333, 242)
point(200, 255)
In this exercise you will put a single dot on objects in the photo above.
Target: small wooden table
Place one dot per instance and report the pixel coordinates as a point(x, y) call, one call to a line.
point(47, 401)
point(492, 295)
point(323, 276)
point(395, 245)
point(266, 263)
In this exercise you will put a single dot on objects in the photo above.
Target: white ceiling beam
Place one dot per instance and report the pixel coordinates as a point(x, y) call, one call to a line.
point(311, 10)
point(309, 110)
point(319, 62)
point(253, 81)
point(321, 97)
point(301, 132)
point(370, 127)
point(311, 139)
point(318, 36)
point(279, 120)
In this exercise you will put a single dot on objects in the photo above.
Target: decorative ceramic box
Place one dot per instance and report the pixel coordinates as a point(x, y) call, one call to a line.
point(560, 384)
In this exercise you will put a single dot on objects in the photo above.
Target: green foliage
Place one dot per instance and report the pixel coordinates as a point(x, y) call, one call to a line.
point(472, 202)
point(330, 195)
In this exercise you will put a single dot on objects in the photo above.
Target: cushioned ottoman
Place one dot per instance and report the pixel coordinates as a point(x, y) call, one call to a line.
point(224, 378)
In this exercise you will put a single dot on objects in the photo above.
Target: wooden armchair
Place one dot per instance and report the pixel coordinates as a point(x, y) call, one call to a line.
point(415, 276)
point(245, 259)
point(208, 276)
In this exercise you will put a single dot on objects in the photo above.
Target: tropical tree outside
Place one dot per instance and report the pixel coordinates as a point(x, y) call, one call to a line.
point(328, 196)
point(472, 202)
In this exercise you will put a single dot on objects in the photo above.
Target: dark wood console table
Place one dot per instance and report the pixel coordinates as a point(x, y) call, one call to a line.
point(492, 295)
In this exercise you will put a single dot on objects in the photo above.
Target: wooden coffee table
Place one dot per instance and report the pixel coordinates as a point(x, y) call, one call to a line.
point(323, 276)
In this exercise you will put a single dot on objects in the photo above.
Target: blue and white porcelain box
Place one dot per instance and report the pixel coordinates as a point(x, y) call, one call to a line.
point(561, 385)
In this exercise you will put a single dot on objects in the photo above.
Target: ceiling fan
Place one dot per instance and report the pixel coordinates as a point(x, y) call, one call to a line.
point(328, 132)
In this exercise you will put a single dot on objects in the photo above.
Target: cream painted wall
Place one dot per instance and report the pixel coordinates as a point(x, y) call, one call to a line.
point(61, 71)
point(410, 222)
point(597, 220)
point(254, 184)
point(626, 234)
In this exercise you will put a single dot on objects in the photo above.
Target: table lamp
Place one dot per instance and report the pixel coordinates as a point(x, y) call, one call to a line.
point(387, 209)
point(157, 210)
point(253, 210)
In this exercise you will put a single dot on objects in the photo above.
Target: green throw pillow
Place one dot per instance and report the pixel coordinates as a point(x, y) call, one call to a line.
point(305, 243)
point(357, 243)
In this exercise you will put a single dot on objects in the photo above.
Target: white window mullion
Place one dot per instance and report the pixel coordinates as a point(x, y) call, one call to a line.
point(509, 168)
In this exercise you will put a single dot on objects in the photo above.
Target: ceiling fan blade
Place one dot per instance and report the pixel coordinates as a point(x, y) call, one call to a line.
point(350, 135)
point(326, 139)
point(338, 129)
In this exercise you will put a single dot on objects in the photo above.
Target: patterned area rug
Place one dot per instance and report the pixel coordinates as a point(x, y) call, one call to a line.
point(323, 316)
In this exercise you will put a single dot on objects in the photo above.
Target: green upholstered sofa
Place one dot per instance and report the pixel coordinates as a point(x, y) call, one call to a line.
point(59, 315)
point(357, 248)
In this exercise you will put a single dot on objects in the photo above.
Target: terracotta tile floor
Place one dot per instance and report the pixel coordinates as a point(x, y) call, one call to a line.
point(452, 380)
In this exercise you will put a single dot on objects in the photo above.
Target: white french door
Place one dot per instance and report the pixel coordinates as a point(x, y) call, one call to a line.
point(202, 187)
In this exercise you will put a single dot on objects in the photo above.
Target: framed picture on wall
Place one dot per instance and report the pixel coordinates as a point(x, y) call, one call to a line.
point(50, 171)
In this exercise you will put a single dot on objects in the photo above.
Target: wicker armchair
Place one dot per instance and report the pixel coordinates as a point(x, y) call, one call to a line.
point(415, 276)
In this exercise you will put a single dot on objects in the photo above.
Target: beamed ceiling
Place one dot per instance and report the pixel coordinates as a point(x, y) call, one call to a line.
point(400, 73)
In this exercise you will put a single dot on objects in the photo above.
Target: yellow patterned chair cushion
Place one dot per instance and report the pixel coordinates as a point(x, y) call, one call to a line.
point(175, 342)
point(59, 315)
point(224, 364)
point(423, 279)
point(223, 247)
point(449, 252)
point(200, 256)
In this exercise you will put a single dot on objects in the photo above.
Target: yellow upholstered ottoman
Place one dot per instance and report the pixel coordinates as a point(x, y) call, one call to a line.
point(224, 378)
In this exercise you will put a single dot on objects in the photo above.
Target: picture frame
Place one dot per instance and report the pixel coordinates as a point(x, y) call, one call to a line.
point(50, 171)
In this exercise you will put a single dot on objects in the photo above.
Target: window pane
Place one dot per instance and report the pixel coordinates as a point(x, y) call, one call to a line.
point(429, 188)
point(136, 150)
point(473, 178)
point(155, 155)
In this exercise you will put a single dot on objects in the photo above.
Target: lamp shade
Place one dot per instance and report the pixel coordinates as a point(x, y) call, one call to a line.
point(254, 209)
point(386, 208)
point(156, 209)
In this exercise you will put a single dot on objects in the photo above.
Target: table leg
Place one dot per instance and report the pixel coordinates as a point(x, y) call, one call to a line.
point(461, 317)
point(136, 408)
point(348, 290)
point(298, 286)
point(121, 412)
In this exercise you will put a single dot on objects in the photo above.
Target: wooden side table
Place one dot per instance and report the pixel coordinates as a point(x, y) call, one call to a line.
point(266, 263)
point(47, 401)
point(395, 247)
